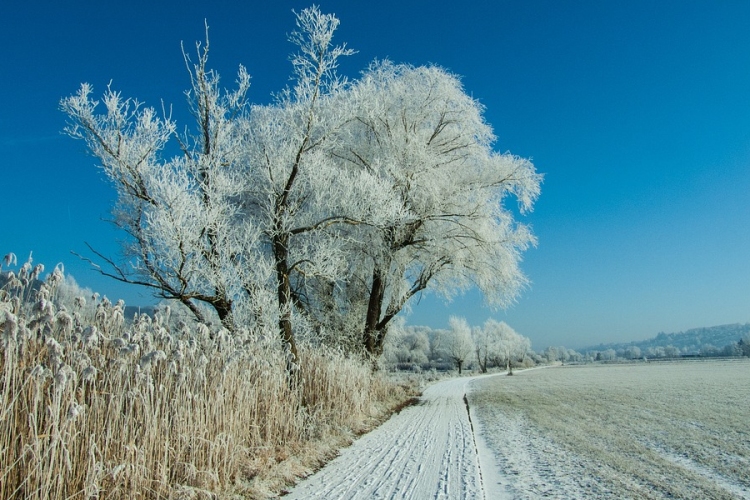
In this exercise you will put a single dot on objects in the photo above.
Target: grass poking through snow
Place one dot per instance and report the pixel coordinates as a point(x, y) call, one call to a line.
point(656, 430)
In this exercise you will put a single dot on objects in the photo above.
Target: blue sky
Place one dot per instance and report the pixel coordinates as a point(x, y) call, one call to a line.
point(637, 112)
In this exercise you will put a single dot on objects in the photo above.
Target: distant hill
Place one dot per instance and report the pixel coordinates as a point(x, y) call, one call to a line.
point(688, 342)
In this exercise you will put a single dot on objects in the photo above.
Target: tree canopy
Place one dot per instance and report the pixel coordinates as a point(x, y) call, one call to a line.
point(323, 213)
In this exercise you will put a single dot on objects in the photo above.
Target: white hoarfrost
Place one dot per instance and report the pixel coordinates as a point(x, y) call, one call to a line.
point(327, 210)
point(426, 451)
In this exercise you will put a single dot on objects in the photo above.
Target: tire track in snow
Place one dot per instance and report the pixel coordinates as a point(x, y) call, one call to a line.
point(427, 451)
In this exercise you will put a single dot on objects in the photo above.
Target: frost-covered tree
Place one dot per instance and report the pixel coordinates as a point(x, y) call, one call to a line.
point(744, 345)
point(483, 345)
point(732, 349)
point(633, 352)
point(182, 213)
point(576, 357)
point(323, 212)
point(551, 354)
point(709, 350)
point(561, 353)
point(459, 346)
point(497, 343)
point(437, 340)
point(236, 218)
point(655, 352)
point(508, 346)
point(407, 344)
point(608, 355)
point(417, 130)
point(296, 192)
point(671, 351)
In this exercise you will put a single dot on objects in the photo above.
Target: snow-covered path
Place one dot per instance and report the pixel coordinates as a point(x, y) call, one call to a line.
point(425, 452)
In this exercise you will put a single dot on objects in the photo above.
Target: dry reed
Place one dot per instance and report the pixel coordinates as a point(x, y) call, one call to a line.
point(92, 407)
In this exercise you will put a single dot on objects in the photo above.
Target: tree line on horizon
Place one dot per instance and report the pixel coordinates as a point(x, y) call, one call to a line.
point(495, 345)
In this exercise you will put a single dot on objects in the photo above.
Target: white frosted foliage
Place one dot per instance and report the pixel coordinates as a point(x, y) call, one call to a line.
point(321, 213)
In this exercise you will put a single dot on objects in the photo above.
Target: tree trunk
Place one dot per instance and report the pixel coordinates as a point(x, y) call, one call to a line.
point(223, 308)
point(284, 291)
point(373, 338)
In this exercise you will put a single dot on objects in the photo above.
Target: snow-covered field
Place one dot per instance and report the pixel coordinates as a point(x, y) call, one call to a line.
point(658, 430)
point(648, 430)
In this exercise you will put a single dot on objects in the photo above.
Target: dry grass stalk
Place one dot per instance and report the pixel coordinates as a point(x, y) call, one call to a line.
point(91, 407)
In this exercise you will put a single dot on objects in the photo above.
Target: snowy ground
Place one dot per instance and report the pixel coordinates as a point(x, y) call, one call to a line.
point(426, 451)
point(641, 431)
point(646, 432)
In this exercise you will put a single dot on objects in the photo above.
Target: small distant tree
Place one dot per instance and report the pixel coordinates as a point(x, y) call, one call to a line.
point(483, 345)
point(509, 346)
point(407, 344)
point(732, 349)
point(551, 354)
point(459, 345)
point(671, 351)
point(633, 352)
point(437, 340)
point(536, 358)
point(608, 355)
point(709, 350)
point(744, 345)
point(574, 356)
point(563, 354)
